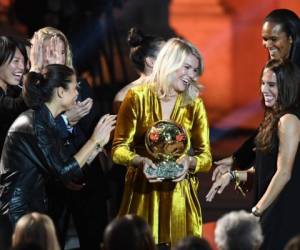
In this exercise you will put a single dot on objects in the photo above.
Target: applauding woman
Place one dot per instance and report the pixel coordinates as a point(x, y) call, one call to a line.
point(33, 151)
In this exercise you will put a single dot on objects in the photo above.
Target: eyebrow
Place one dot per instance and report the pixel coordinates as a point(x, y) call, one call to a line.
point(268, 82)
point(187, 64)
point(18, 58)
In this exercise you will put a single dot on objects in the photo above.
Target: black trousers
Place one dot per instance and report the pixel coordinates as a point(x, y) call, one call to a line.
point(88, 208)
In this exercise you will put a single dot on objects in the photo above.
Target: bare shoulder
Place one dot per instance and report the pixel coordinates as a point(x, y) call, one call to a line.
point(120, 96)
point(289, 124)
point(289, 119)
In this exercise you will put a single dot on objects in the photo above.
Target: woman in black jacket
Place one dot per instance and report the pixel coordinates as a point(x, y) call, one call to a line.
point(33, 151)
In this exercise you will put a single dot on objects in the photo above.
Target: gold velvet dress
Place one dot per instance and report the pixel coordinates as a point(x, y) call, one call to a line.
point(171, 209)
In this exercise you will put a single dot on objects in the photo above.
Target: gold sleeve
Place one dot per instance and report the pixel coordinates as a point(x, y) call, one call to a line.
point(122, 150)
point(200, 139)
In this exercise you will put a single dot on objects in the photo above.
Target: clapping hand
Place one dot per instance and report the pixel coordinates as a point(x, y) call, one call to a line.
point(79, 110)
point(55, 51)
point(36, 53)
point(103, 129)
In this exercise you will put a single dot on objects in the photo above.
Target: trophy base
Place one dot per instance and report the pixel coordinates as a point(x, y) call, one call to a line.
point(165, 170)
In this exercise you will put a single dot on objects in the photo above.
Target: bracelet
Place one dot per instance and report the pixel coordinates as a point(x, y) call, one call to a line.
point(232, 175)
point(255, 211)
point(98, 146)
point(238, 182)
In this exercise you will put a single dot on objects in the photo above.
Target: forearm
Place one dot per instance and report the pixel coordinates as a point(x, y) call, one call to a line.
point(244, 174)
point(85, 152)
point(278, 182)
point(123, 156)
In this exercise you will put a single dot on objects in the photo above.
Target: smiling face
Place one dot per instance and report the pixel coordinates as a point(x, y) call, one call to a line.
point(269, 88)
point(188, 72)
point(11, 72)
point(276, 41)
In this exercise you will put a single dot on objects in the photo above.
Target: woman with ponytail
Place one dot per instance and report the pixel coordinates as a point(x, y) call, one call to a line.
point(33, 152)
point(143, 52)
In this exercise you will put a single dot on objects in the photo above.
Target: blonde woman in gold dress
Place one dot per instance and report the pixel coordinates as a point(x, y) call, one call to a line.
point(171, 208)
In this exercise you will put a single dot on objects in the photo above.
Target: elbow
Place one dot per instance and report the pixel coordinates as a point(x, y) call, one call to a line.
point(115, 159)
point(208, 166)
point(114, 156)
point(285, 176)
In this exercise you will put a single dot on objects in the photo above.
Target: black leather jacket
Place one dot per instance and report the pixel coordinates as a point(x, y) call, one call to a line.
point(32, 153)
point(10, 108)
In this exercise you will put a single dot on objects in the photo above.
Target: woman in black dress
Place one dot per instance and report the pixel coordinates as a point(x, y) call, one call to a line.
point(277, 172)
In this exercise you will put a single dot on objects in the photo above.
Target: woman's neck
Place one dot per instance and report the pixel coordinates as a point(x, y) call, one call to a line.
point(55, 110)
point(3, 86)
point(172, 94)
point(169, 97)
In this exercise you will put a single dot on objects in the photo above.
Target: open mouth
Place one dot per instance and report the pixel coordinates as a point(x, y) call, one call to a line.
point(18, 76)
point(186, 82)
point(273, 52)
point(268, 98)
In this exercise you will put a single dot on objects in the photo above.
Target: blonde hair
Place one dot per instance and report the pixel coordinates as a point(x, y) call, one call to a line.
point(35, 228)
point(170, 58)
point(49, 32)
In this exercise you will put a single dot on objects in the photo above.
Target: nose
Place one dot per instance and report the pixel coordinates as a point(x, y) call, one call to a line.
point(21, 65)
point(264, 88)
point(192, 74)
point(267, 44)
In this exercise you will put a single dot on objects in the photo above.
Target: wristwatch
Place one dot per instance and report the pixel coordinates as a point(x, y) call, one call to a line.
point(255, 211)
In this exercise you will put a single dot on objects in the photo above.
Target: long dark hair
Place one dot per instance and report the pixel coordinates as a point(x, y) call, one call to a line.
point(290, 24)
point(39, 87)
point(288, 84)
point(142, 46)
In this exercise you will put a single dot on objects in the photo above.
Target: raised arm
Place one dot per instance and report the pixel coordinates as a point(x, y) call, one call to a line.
point(64, 167)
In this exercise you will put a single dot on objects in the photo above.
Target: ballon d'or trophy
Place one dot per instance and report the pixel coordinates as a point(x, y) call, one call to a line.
point(166, 141)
